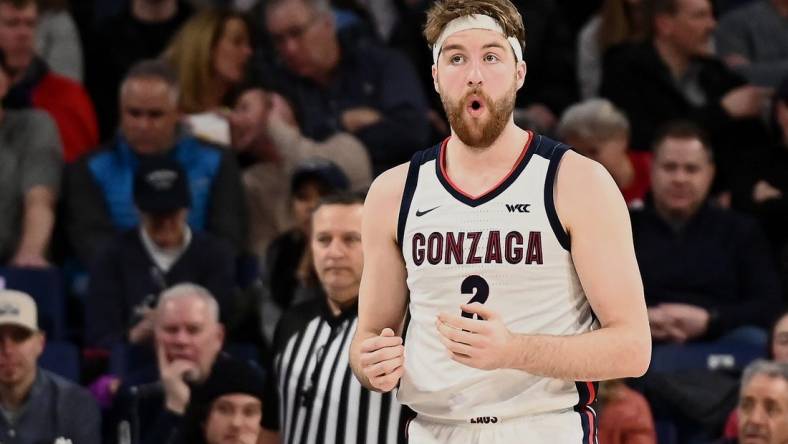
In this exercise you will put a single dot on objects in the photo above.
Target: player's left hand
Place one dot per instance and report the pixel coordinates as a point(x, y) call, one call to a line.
point(483, 343)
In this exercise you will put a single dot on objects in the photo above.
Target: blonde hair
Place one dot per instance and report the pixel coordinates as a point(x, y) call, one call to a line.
point(502, 11)
point(190, 54)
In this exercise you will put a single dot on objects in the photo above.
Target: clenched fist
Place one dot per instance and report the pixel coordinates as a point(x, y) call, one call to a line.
point(382, 360)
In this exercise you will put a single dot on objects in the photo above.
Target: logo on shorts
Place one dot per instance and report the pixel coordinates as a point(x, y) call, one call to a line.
point(484, 420)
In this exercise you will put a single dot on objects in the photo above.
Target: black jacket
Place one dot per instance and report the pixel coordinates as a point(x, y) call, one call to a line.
point(124, 275)
point(635, 79)
point(719, 261)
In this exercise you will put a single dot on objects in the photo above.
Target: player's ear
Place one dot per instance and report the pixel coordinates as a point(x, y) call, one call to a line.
point(435, 78)
point(522, 69)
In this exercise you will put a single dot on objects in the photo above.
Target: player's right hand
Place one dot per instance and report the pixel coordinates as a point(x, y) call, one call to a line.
point(382, 360)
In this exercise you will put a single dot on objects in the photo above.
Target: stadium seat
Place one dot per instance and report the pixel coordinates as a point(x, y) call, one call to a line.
point(61, 358)
point(46, 287)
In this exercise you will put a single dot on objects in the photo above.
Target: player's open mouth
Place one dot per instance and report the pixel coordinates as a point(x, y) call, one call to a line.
point(475, 107)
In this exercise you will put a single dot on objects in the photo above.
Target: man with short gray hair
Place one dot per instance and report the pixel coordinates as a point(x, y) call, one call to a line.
point(763, 403)
point(100, 202)
point(188, 338)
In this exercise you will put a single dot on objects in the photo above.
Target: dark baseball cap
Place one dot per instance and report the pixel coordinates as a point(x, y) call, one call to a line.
point(160, 186)
point(321, 170)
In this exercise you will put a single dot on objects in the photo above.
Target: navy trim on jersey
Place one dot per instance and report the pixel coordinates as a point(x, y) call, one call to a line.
point(556, 153)
point(493, 193)
point(410, 190)
point(586, 392)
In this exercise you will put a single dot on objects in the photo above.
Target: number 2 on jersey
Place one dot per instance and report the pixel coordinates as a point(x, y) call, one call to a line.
point(477, 286)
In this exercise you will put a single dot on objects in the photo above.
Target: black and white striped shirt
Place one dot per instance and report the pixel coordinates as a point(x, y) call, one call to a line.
point(316, 398)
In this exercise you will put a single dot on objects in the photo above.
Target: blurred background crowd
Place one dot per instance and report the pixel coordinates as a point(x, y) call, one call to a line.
point(148, 145)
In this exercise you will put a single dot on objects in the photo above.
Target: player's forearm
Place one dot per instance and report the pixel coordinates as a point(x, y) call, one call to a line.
point(607, 353)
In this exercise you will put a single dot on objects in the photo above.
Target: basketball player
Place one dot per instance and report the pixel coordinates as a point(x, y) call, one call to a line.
point(512, 255)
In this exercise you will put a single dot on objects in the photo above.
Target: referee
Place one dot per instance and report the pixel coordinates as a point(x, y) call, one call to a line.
point(313, 396)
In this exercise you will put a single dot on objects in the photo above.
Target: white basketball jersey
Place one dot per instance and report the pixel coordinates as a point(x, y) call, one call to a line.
point(506, 249)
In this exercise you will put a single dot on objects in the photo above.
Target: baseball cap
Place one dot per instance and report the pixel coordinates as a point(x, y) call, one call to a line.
point(321, 170)
point(18, 308)
point(160, 186)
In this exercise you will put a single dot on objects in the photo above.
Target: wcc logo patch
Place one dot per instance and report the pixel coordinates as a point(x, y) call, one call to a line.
point(519, 208)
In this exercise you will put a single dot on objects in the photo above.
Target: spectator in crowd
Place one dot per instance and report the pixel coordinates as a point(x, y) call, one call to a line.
point(227, 408)
point(624, 415)
point(128, 276)
point(188, 338)
point(707, 272)
point(778, 341)
point(325, 402)
point(763, 404)
point(100, 203)
point(618, 22)
point(140, 32)
point(760, 187)
point(753, 41)
point(57, 39)
point(778, 352)
point(672, 75)
point(344, 85)
point(597, 130)
point(209, 55)
point(288, 275)
point(30, 164)
point(37, 405)
point(35, 85)
point(267, 139)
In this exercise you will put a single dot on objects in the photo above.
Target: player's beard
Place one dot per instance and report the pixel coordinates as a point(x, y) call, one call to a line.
point(478, 133)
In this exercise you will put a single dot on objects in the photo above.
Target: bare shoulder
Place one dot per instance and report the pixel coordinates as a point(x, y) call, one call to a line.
point(578, 170)
point(389, 185)
point(381, 207)
point(583, 188)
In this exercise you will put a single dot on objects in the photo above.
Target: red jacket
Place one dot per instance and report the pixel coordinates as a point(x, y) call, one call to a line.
point(64, 100)
point(71, 109)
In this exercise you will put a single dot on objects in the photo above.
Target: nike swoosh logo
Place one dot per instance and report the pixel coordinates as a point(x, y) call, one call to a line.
point(422, 213)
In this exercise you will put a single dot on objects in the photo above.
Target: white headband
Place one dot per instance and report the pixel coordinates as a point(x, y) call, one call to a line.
point(474, 21)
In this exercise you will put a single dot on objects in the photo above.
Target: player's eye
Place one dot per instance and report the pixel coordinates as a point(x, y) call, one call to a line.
point(491, 58)
point(456, 59)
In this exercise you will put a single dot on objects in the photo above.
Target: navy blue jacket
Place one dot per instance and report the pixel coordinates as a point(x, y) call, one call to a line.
point(124, 275)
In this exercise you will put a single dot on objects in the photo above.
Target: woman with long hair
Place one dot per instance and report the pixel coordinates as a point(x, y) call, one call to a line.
point(210, 55)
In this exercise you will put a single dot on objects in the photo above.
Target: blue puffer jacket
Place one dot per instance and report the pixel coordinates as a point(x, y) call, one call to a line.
point(113, 170)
